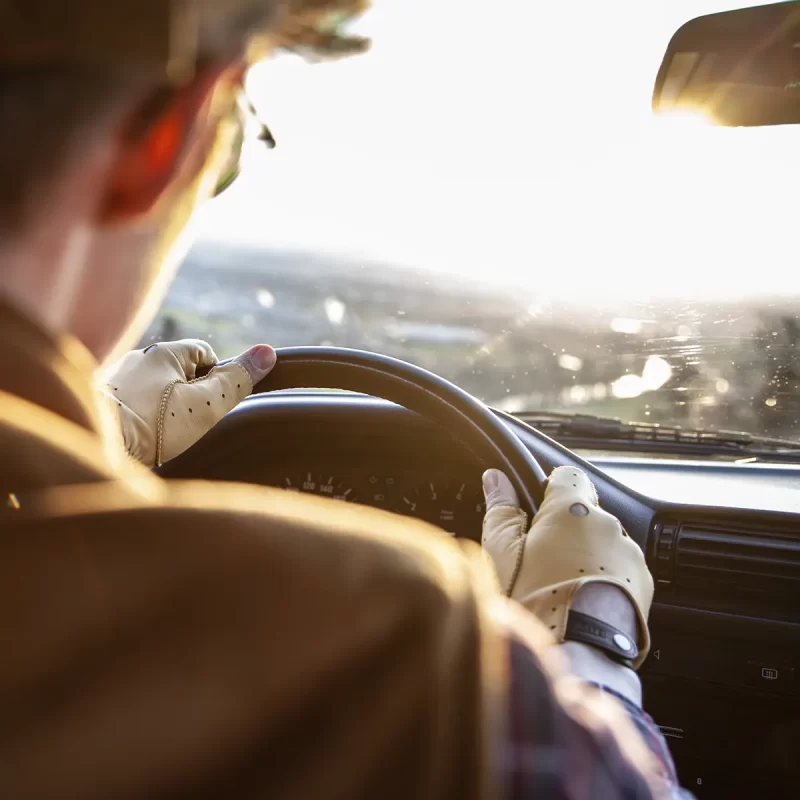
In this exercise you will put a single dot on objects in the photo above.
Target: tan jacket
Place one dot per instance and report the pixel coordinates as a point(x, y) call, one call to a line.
point(199, 640)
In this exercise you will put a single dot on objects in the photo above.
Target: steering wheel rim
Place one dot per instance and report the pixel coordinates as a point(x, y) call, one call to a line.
point(418, 390)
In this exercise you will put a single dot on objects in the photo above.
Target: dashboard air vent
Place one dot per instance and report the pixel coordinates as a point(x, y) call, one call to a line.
point(705, 554)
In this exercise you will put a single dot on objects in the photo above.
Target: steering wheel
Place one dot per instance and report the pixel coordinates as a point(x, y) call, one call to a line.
point(458, 412)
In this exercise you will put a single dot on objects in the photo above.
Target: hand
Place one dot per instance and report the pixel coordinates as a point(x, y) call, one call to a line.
point(576, 555)
point(163, 409)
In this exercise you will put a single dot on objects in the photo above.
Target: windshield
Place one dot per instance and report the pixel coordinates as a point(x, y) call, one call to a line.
point(489, 196)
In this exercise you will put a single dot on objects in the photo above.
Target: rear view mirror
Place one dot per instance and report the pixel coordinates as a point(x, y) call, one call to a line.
point(737, 68)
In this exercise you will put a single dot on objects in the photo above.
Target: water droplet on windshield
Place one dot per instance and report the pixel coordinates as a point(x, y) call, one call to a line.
point(265, 298)
point(656, 372)
point(335, 310)
point(568, 362)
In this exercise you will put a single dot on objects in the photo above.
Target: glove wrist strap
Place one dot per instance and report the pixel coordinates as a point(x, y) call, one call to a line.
point(612, 641)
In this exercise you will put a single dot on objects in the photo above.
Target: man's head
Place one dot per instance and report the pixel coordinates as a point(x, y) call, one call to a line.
point(116, 118)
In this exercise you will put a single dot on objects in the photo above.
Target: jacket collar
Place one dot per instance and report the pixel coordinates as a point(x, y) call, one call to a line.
point(54, 432)
point(53, 429)
point(54, 374)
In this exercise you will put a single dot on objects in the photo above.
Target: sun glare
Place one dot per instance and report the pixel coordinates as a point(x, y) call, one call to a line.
point(437, 164)
point(686, 118)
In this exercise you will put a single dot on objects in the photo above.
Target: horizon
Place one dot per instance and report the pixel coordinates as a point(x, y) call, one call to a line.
point(362, 266)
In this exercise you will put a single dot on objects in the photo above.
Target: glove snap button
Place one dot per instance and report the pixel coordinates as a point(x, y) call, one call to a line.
point(623, 642)
point(578, 510)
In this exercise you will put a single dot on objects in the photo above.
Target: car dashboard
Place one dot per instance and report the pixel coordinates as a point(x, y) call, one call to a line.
point(722, 541)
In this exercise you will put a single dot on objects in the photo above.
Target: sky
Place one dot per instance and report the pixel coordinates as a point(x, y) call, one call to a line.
point(512, 142)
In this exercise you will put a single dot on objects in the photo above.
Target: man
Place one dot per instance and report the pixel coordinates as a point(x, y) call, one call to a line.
point(206, 641)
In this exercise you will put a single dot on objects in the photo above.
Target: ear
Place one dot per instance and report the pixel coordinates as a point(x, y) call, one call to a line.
point(155, 146)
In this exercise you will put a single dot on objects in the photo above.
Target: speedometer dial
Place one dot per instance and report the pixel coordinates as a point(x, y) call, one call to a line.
point(455, 506)
point(322, 484)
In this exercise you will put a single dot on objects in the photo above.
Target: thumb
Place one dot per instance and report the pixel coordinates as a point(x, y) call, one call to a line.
point(498, 490)
point(257, 362)
point(504, 527)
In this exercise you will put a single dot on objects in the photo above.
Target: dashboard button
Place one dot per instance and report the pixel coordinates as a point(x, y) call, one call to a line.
point(771, 677)
point(661, 656)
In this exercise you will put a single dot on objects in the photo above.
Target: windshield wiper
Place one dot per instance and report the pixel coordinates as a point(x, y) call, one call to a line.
point(588, 430)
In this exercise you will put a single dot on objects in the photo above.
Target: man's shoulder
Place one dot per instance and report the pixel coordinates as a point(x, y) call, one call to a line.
point(319, 535)
point(317, 541)
point(245, 616)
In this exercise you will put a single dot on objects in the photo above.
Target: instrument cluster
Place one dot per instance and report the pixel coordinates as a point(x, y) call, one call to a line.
point(454, 504)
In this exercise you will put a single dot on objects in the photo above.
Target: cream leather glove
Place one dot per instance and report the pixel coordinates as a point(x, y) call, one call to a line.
point(571, 543)
point(163, 408)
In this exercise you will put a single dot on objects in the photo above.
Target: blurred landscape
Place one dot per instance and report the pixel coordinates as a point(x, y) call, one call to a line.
point(731, 365)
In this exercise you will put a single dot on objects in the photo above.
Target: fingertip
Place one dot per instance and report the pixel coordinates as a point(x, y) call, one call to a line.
point(505, 487)
point(257, 361)
point(498, 489)
point(263, 357)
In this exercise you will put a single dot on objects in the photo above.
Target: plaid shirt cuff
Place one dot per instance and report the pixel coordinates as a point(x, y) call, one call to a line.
point(575, 743)
point(648, 730)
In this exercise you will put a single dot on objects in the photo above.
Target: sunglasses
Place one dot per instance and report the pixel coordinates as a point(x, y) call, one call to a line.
point(242, 112)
